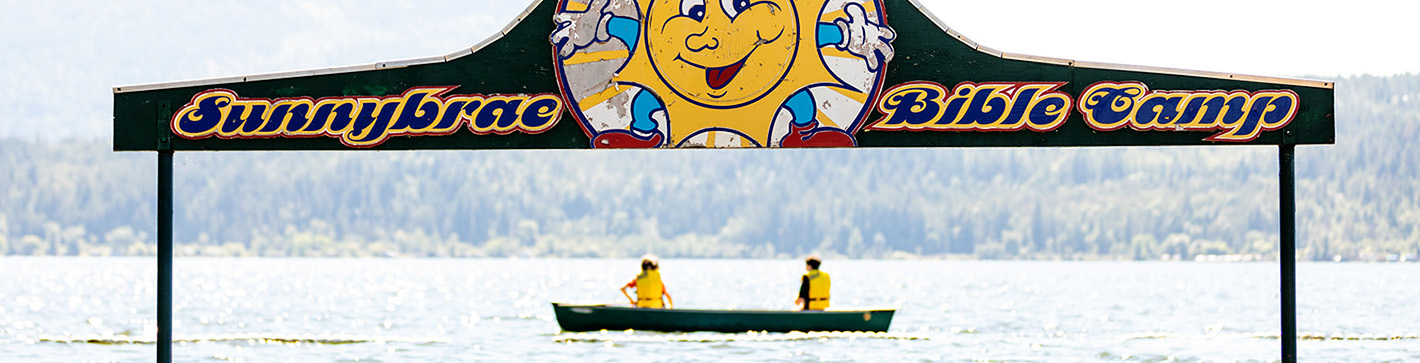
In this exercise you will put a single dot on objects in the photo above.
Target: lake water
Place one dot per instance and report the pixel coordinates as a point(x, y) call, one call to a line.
point(407, 310)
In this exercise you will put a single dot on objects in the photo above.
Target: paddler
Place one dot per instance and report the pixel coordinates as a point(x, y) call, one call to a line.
point(813, 291)
point(649, 288)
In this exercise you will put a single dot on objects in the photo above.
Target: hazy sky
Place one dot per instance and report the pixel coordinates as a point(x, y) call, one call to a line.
point(62, 58)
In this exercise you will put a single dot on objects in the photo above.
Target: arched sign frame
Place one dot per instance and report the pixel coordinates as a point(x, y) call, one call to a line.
point(850, 73)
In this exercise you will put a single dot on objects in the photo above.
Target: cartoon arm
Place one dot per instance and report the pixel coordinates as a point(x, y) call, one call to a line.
point(647, 113)
point(859, 35)
point(599, 23)
point(829, 34)
point(801, 107)
point(626, 29)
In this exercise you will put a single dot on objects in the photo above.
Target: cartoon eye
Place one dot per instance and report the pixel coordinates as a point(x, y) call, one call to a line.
point(695, 9)
point(734, 7)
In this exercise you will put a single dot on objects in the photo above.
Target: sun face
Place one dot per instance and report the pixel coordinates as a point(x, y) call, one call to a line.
point(722, 53)
point(718, 73)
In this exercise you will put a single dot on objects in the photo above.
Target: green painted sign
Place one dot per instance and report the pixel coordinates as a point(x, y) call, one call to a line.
point(723, 73)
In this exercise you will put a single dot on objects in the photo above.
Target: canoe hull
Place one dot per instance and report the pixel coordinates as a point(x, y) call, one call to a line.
point(578, 318)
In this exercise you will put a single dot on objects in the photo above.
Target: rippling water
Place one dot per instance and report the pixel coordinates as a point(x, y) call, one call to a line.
point(354, 310)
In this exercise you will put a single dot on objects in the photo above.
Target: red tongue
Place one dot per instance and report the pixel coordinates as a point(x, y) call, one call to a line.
point(717, 78)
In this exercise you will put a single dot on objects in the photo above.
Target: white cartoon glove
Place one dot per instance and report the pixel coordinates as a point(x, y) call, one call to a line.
point(579, 30)
point(864, 38)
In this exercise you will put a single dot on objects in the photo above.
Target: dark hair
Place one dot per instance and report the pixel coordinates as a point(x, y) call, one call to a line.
point(647, 264)
point(813, 262)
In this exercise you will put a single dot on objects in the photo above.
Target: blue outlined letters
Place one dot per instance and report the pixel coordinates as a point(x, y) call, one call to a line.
point(1241, 115)
point(364, 121)
point(920, 106)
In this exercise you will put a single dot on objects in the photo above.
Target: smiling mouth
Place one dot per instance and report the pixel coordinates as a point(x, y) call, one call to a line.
point(717, 78)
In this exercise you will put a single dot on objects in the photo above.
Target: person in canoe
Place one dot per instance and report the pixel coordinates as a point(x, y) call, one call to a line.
point(649, 288)
point(813, 291)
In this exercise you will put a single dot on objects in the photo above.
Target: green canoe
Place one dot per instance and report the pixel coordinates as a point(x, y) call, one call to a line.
point(599, 317)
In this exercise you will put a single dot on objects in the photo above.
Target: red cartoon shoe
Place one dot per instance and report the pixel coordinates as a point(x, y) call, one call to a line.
point(622, 139)
point(811, 135)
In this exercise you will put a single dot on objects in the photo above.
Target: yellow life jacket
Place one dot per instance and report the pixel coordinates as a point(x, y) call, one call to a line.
point(649, 289)
point(819, 284)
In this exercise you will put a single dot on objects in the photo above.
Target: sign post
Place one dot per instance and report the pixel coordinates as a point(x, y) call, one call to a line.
point(165, 256)
point(596, 74)
point(1287, 207)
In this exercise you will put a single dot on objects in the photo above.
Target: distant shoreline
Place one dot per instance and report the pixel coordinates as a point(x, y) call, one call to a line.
point(1199, 259)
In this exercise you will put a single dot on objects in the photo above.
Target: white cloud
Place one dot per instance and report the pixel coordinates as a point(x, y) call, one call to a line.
point(1265, 37)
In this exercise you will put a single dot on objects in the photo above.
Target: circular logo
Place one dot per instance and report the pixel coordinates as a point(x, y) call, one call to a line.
point(721, 73)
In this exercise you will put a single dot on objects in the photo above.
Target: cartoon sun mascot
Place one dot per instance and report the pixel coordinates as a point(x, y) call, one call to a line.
point(721, 73)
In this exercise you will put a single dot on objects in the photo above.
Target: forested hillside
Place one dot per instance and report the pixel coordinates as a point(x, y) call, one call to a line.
point(1357, 199)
